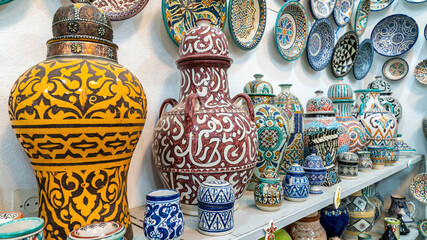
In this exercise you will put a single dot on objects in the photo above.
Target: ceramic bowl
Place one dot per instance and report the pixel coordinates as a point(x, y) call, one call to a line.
point(420, 72)
point(395, 69)
point(342, 12)
point(416, 1)
point(418, 187)
point(394, 35)
point(291, 30)
point(24, 228)
point(98, 231)
point(322, 8)
point(364, 59)
point(359, 18)
point(320, 45)
point(345, 53)
point(378, 5)
point(9, 216)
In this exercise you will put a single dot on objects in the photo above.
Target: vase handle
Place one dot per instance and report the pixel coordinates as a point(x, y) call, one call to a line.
point(165, 103)
point(190, 107)
point(244, 96)
point(414, 210)
point(361, 107)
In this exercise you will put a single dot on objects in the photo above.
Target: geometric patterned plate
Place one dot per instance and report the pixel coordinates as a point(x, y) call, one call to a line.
point(378, 5)
point(180, 16)
point(118, 10)
point(395, 69)
point(342, 12)
point(345, 53)
point(246, 21)
point(394, 35)
point(291, 30)
point(420, 72)
point(5, 1)
point(364, 59)
point(359, 19)
point(322, 8)
point(418, 187)
point(320, 45)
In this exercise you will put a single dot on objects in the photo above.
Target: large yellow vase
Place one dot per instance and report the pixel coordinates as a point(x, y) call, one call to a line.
point(79, 115)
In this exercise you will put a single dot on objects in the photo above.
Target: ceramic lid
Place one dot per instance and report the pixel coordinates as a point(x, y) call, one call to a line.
point(20, 227)
point(258, 87)
point(348, 157)
point(340, 91)
point(269, 176)
point(295, 168)
point(313, 161)
point(319, 105)
point(204, 41)
point(381, 84)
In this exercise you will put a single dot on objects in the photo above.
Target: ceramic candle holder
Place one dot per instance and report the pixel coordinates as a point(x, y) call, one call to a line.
point(23, 229)
point(99, 231)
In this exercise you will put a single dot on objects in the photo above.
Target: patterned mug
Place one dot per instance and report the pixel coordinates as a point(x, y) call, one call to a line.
point(399, 203)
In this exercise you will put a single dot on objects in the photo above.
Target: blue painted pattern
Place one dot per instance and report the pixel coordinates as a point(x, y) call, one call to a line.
point(320, 45)
point(364, 59)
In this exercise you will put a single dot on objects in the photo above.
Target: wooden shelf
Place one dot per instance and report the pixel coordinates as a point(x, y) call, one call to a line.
point(249, 221)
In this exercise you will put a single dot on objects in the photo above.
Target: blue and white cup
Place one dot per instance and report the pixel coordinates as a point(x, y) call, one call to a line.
point(163, 215)
point(216, 207)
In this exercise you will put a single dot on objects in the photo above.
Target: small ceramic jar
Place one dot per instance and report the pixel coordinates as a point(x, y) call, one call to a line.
point(392, 155)
point(268, 193)
point(163, 215)
point(216, 207)
point(334, 220)
point(295, 184)
point(99, 231)
point(365, 162)
point(24, 228)
point(9, 216)
point(308, 228)
point(348, 164)
point(378, 156)
point(315, 172)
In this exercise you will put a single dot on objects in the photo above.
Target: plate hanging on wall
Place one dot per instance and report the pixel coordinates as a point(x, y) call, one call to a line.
point(395, 69)
point(322, 8)
point(342, 12)
point(246, 20)
point(418, 187)
point(420, 72)
point(364, 59)
point(394, 35)
point(5, 1)
point(180, 16)
point(320, 44)
point(345, 53)
point(416, 1)
point(425, 32)
point(118, 10)
point(291, 30)
point(359, 18)
point(378, 5)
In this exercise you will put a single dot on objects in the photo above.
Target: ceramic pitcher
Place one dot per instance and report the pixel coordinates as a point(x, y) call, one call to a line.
point(399, 202)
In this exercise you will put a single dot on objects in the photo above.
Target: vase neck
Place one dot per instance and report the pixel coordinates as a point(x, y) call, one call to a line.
point(285, 88)
point(80, 49)
point(370, 101)
point(344, 109)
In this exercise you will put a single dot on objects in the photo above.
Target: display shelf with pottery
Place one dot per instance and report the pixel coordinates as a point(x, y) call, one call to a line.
point(378, 5)
point(420, 72)
point(119, 10)
point(247, 228)
point(342, 12)
point(395, 69)
point(320, 45)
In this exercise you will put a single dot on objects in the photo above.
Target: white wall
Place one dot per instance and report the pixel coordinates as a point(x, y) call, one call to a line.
point(145, 49)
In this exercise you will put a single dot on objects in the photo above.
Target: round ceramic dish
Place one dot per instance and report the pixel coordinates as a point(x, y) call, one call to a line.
point(342, 12)
point(364, 59)
point(420, 72)
point(5, 1)
point(98, 231)
point(394, 35)
point(418, 187)
point(119, 10)
point(246, 21)
point(291, 30)
point(378, 5)
point(359, 18)
point(9, 216)
point(322, 8)
point(416, 1)
point(395, 69)
point(320, 45)
point(345, 53)
point(180, 16)
point(422, 227)
point(21, 228)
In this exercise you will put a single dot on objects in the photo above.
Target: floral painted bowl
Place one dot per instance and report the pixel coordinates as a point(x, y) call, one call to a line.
point(422, 227)
point(24, 228)
point(9, 216)
point(395, 69)
point(322, 8)
point(418, 187)
point(320, 45)
point(291, 30)
point(98, 231)
point(359, 18)
point(342, 12)
point(378, 5)
point(420, 72)
point(364, 59)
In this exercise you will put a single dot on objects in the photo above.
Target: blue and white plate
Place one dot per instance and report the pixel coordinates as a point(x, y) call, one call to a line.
point(320, 45)
point(246, 21)
point(322, 8)
point(291, 30)
point(378, 5)
point(359, 19)
point(416, 1)
point(364, 59)
point(395, 69)
point(345, 53)
point(394, 35)
point(342, 12)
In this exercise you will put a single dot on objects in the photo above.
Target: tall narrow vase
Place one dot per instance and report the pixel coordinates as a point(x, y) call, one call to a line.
point(205, 133)
point(295, 149)
point(79, 115)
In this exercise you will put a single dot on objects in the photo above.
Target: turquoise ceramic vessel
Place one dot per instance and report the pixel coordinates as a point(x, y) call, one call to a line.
point(23, 229)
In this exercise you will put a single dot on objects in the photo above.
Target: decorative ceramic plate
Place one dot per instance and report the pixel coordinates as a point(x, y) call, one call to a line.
point(5, 1)
point(416, 1)
point(322, 8)
point(342, 12)
point(378, 5)
point(395, 69)
point(291, 30)
point(364, 59)
point(360, 16)
point(180, 16)
point(422, 227)
point(118, 10)
point(420, 72)
point(345, 53)
point(394, 35)
point(320, 45)
point(418, 187)
point(246, 20)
